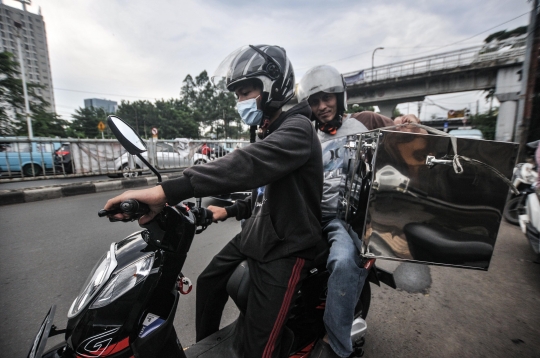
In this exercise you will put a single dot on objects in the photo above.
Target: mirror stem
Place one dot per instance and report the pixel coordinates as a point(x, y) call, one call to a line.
point(150, 166)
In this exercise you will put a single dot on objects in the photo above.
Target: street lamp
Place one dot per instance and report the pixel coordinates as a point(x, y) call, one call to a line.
point(373, 60)
point(18, 27)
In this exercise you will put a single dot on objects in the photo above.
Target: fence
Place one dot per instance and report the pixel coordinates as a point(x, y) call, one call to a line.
point(46, 158)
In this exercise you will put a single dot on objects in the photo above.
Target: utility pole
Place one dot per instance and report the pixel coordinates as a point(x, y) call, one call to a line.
point(18, 30)
point(522, 123)
point(373, 61)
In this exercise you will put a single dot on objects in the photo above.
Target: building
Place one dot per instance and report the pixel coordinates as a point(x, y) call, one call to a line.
point(108, 106)
point(34, 47)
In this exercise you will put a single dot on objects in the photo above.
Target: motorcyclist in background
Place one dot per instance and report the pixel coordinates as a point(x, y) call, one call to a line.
point(282, 227)
point(325, 90)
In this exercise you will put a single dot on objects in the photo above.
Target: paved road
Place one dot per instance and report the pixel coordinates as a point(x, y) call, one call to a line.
point(48, 248)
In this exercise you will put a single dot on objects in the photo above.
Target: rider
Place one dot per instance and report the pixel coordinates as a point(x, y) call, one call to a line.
point(282, 227)
point(325, 90)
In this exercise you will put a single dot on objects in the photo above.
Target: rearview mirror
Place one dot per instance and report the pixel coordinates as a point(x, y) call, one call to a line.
point(126, 135)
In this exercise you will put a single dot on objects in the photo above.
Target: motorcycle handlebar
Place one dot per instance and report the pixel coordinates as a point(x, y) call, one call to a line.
point(131, 207)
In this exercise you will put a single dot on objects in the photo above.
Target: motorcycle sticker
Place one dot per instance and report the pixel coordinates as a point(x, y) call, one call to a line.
point(150, 324)
point(101, 345)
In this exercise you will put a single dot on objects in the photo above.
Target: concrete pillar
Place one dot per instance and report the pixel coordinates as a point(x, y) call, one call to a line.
point(507, 90)
point(506, 121)
point(387, 108)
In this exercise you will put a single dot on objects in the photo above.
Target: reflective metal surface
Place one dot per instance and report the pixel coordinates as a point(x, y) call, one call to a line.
point(407, 207)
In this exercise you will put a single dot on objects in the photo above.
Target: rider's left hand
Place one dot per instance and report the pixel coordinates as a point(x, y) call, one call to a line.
point(154, 197)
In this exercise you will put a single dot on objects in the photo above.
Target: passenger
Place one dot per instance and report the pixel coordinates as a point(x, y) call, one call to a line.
point(282, 227)
point(407, 119)
point(325, 90)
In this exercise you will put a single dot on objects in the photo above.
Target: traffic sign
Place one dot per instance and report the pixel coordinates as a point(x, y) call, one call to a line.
point(101, 126)
point(154, 133)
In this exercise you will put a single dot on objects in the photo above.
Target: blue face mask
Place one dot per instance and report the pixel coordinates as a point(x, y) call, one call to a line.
point(249, 112)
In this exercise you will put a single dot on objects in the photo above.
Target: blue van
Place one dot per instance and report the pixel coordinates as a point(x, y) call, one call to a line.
point(30, 158)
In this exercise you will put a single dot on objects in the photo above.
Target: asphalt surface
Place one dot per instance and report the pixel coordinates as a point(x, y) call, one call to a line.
point(48, 248)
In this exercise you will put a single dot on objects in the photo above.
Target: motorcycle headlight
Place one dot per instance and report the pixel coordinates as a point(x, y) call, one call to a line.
point(123, 280)
point(97, 278)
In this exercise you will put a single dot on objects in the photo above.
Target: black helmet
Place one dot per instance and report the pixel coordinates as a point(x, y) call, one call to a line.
point(268, 64)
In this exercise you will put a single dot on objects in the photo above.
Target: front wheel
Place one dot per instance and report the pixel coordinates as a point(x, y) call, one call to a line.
point(511, 210)
point(199, 161)
point(30, 170)
point(128, 173)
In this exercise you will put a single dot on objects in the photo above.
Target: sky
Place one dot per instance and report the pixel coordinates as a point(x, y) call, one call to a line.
point(143, 50)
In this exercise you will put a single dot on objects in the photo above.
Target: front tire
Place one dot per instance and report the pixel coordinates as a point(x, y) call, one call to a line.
point(128, 173)
point(28, 172)
point(511, 210)
point(199, 161)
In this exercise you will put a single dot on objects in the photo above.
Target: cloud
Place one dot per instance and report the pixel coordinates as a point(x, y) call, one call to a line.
point(141, 48)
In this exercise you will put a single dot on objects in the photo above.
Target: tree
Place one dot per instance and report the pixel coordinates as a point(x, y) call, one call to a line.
point(357, 108)
point(44, 123)
point(11, 93)
point(212, 107)
point(85, 122)
point(486, 122)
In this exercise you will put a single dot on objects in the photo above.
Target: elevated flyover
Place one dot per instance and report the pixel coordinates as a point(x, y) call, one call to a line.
point(468, 69)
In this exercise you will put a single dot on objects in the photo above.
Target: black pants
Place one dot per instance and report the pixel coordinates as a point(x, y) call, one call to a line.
point(274, 286)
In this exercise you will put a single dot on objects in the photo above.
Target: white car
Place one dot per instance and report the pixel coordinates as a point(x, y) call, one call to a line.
point(167, 157)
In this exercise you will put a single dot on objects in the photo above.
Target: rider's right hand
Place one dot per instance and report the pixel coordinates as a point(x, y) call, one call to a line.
point(220, 214)
point(154, 197)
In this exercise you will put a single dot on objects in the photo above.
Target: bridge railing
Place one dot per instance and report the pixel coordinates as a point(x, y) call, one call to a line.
point(47, 158)
point(443, 61)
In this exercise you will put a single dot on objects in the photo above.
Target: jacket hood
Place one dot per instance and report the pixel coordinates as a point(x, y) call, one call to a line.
point(302, 108)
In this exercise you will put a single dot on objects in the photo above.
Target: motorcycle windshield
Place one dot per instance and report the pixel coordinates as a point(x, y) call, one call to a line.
point(407, 207)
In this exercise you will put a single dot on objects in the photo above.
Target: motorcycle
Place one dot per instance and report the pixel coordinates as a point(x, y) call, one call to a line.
point(127, 306)
point(529, 219)
point(525, 175)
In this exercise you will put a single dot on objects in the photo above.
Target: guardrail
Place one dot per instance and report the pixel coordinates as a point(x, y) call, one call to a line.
point(47, 158)
point(478, 55)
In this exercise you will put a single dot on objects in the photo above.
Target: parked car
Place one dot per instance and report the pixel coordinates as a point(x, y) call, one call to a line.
point(166, 156)
point(62, 159)
point(212, 149)
point(467, 133)
point(28, 158)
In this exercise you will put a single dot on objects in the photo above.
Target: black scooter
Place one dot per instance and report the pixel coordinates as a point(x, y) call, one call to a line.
point(127, 305)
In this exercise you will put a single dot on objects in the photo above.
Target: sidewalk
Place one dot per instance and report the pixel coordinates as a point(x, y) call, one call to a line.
point(38, 193)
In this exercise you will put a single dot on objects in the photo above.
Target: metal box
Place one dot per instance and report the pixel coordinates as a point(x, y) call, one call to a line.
point(406, 202)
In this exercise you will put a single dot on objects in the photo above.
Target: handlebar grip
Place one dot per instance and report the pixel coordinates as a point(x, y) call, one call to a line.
point(133, 207)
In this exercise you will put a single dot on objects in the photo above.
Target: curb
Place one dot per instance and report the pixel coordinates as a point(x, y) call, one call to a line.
point(29, 195)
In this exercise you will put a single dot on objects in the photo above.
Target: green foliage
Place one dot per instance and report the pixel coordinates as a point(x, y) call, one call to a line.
point(44, 123)
point(213, 107)
point(172, 118)
point(503, 35)
point(396, 113)
point(356, 108)
point(85, 123)
point(486, 122)
point(11, 93)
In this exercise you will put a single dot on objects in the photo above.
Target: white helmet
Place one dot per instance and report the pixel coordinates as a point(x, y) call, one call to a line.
point(323, 78)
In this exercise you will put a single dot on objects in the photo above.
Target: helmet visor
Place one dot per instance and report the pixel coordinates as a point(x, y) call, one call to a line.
point(240, 64)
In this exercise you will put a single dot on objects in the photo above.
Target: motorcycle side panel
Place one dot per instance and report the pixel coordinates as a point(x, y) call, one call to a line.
point(406, 210)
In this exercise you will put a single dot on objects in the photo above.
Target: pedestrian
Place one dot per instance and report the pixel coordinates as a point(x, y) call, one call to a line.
point(282, 227)
point(325, 90)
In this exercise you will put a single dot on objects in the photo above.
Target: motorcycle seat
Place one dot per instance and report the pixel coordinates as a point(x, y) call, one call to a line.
point(434, 243)
point(238, 284)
